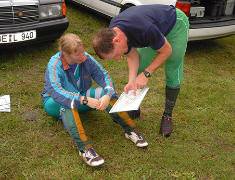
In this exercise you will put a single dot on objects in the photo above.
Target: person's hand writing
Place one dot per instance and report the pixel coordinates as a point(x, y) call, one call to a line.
point(130, 86)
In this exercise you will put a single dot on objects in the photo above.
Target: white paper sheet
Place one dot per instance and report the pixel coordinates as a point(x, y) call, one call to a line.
point(129, 102)
point(5, 103)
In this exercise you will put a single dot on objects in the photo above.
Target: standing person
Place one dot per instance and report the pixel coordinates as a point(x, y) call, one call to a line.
point(161, 34)
point(67, 90)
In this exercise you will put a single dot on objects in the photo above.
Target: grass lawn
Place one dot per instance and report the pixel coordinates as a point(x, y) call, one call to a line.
point(35, 146)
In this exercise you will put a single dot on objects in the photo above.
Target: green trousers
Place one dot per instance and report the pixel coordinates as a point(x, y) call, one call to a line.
point(178, 38)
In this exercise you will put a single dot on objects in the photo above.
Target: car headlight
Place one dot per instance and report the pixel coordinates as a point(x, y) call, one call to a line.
point(50, 11)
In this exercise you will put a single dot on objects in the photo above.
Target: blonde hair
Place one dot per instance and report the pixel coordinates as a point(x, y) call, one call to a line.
point(70, 43)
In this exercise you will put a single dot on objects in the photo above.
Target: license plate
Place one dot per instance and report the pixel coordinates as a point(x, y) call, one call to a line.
point(197, 11)
point(17, 37)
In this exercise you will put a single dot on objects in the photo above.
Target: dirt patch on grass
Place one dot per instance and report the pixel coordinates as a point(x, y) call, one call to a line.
point(31, 115)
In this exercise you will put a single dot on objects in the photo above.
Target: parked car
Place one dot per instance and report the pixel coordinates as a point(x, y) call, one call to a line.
point(31, 21)
point(208, 18)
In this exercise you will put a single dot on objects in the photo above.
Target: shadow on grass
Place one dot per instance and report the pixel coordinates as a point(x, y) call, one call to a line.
point(212, 51)
point(206, 46)
point(11, 53)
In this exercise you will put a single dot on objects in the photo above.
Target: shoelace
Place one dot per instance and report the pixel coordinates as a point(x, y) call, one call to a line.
point(91, 153)
point(138, 135)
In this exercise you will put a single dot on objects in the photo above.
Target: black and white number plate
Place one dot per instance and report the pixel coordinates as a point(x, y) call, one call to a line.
point(17, 37)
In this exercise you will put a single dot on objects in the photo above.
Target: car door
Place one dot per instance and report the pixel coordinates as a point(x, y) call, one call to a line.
point(107, 7)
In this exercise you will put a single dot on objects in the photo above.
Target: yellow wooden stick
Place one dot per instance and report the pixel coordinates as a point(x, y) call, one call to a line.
point(78, 122)
point(124, 115)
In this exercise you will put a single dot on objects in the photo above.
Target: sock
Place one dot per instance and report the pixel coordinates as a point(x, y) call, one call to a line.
point(171, 96)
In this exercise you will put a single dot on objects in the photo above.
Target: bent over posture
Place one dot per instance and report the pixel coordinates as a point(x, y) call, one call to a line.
point(161, 33)
point(68, 91)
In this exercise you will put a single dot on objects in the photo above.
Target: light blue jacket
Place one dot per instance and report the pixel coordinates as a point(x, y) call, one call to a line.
point(65, 82)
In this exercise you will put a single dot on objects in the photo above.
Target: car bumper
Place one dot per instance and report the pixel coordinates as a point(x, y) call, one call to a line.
point(211, 32)
point(46, 31)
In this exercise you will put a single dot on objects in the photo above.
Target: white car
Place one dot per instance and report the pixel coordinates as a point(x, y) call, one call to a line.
point(208, 18)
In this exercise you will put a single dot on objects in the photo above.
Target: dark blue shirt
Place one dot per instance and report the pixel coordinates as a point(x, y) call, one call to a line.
point(146, 25)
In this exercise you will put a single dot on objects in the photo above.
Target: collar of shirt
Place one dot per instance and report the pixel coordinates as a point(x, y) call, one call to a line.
point(64, 63)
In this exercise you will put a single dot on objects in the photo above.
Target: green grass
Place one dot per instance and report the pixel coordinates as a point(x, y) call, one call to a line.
point(35, 146)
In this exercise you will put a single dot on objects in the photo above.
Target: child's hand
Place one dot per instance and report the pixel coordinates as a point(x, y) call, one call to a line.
point(104, 102)
point(93, 103)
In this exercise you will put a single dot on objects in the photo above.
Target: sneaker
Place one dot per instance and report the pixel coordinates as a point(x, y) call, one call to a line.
point(91, 157)
point(136, 138)
point(134, 114)
point(166, 126)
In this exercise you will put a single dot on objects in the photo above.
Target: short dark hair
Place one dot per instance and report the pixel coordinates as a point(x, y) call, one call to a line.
point(103, 41)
